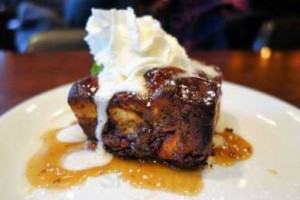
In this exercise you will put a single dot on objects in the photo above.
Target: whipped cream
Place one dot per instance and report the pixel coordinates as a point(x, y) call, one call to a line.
point(127, 46)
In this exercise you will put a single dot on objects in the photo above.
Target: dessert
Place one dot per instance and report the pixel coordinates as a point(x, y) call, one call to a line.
point(150, 101)
point(151, 107)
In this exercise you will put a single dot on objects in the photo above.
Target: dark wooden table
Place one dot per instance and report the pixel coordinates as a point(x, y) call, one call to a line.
point(22, 76)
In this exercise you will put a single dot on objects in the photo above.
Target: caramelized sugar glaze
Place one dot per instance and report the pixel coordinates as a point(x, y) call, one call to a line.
point(45, 169)
point(171, 119)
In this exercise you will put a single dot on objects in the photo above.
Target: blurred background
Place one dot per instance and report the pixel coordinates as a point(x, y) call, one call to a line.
point(48, 25)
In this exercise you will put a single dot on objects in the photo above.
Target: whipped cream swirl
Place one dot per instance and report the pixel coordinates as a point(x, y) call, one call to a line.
point(124, 43)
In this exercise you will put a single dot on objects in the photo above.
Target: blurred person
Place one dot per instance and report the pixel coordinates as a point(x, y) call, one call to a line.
point(76, 12)
point(198, 24)
point(36, 16)
point(243, 30)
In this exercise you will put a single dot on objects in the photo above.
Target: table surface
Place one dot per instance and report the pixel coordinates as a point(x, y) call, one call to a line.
point(24, 75)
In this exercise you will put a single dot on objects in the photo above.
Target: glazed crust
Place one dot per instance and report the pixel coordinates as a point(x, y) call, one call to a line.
point(81, 101)
point(174, 123)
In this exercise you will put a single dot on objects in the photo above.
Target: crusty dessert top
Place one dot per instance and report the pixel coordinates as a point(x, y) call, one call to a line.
point(174, 123)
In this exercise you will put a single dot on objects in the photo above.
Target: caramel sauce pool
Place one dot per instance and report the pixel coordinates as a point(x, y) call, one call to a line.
point(45, 170)
point(231, 148)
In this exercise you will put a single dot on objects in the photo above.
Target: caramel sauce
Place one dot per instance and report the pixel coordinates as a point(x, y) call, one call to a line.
point(273, 171)
point(45, 170)
point(230, 148)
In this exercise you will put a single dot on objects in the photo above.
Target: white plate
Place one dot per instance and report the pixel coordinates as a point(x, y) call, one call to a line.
point(270, 125)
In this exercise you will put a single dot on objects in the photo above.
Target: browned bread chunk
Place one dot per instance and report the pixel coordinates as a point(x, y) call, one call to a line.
point(81, 101)
point(174, 123)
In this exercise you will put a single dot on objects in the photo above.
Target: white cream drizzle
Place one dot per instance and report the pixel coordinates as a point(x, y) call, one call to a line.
point(84, 159)
point(71, 134)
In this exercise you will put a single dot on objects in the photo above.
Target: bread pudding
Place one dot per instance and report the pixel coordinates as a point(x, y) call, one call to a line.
point(150, 102)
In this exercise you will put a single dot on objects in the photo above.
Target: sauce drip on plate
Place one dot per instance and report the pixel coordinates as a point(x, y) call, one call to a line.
point(230, 148)
point(45, 168)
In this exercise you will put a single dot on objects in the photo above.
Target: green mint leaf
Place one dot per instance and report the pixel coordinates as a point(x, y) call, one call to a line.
point(96, 69)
